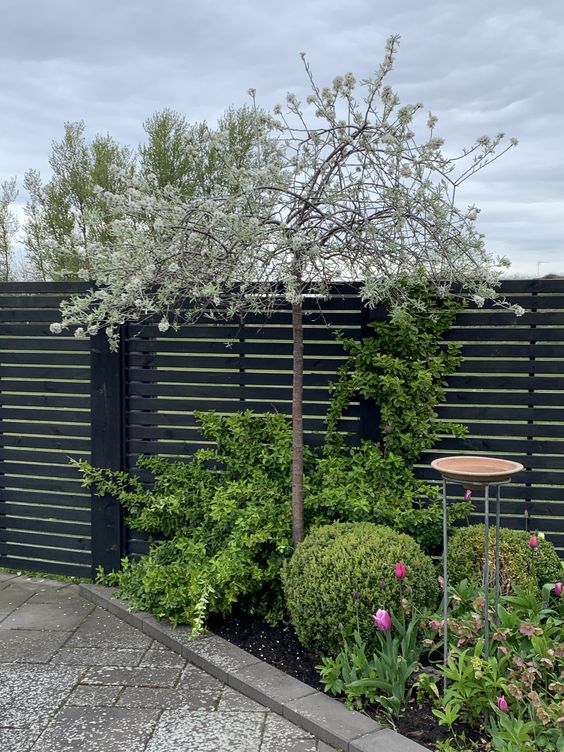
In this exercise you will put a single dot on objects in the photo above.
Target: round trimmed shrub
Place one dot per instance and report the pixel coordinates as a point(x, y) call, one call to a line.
point(335, 561)
point(519, 565)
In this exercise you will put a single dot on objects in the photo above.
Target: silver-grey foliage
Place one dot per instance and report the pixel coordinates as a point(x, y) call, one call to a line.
point(337, 188)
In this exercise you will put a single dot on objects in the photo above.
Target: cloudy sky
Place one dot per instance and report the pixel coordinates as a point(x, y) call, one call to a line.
point(481, 66)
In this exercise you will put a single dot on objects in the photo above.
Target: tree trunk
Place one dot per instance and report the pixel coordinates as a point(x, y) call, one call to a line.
point(297, 426)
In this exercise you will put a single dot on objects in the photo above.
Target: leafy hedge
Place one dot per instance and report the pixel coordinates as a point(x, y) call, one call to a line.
point(335, 561)
point(520, 566)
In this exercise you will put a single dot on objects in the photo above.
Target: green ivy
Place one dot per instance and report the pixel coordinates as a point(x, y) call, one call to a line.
point(403, 368)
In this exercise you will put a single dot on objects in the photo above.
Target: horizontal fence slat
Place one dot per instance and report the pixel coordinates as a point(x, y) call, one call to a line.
point(43, 498)
point(39, 546)
point(46, 429)
point(41, 483)
point(33, 563)
point(226, 333)
point(504, 397)
point(39, 514)
point(48, 358)
point(57, 443)
point(45, 387)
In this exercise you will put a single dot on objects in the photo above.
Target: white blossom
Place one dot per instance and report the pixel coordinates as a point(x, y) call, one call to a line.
point(56, 327)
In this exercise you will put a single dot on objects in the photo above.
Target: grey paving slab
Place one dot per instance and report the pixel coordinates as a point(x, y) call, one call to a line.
point(5, 576)
point(98, 730)
point(149, 676)
point(162, 657)
point(68, 596)
point(30, 645)
point(98, 656)
point(101, 629)
point(193, 677)
point(231, 700)
point(159, 697)
point(269, 685)
point(216, 656)
point(201, 731)
point(384, 741)
point(30, 695)
point(280, 734)
point(46, 616)
point(328, 720)
point(93, 696)
point(42, 583)
point(17, 740)
point(323, 747)
point(12, 597)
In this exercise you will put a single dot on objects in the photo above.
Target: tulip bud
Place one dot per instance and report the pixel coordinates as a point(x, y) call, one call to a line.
point(467, 495)
point(502, 704)
point(400, 570)
point(356, 594)
point(533, 542)
point(557, 589)
point(382, 620)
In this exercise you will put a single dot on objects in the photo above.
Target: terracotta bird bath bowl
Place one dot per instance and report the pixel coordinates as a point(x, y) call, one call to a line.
point(476, 472)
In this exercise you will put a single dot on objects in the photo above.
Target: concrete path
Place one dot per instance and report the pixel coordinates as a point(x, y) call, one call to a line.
point(75, 677)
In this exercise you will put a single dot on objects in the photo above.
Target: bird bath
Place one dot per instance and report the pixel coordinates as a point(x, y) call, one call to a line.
point(475, 474)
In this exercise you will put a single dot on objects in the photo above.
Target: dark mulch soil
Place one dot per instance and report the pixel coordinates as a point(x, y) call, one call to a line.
point(280, 647)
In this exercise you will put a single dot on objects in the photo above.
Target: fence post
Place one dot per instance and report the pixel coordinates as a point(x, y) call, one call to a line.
point(369, 410)
point(107, 411)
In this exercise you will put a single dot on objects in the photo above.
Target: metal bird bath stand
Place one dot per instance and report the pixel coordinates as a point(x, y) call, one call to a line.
point(475, 474)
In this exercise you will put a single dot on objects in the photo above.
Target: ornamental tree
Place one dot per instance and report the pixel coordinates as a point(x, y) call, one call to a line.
point(339, 187)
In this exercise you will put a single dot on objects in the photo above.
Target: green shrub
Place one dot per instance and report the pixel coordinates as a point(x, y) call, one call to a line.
point(226, 514)
point(336, 560)
point(520, 566)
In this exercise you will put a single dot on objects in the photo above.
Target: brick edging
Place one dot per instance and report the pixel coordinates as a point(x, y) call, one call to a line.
point(314, 711)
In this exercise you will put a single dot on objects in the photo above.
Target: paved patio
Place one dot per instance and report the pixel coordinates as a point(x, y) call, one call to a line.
point(75, 677)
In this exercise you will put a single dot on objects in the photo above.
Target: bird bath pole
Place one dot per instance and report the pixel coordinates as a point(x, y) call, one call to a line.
point(475, 474)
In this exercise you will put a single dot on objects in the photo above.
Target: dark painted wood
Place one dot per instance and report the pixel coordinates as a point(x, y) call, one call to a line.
point(107, 451)
point(509, 391)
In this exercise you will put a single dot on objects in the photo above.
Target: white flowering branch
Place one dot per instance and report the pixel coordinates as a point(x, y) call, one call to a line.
point(340, 188)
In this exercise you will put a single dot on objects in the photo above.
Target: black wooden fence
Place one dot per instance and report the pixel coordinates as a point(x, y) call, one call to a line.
point(62, 397)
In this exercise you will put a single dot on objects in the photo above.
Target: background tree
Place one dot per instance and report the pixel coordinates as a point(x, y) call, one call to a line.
point(68, 214)
point(9, 226)
point(345, 191)
point(190, 156)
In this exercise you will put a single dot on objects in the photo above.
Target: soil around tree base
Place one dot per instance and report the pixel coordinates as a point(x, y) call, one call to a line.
point(280, 647)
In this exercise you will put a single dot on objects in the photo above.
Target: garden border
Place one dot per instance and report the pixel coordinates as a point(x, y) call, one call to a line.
point(311, 710)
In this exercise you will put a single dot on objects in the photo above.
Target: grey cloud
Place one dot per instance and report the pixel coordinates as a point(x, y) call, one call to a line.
point(480, 66)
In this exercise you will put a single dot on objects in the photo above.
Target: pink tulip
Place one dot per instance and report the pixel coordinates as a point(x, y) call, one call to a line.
point(533, 542)
point(467, 495)
point(400, 570)
point(502, 704)
point(382, 620)
point(557, 589)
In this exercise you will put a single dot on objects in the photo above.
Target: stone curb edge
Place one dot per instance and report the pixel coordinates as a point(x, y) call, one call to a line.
point(313, 711)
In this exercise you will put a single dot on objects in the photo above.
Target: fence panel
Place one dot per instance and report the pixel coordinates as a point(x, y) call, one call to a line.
point(44, 420)
point(509, 392)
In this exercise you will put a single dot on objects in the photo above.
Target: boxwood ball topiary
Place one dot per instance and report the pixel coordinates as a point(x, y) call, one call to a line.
point(335, 561)
point(520, 565)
